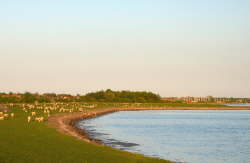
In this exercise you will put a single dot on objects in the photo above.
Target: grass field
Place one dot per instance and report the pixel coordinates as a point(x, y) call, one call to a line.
point(21, 141)
point(33, 142)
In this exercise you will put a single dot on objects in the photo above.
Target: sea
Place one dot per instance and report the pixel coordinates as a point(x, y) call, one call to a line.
point(190, 136)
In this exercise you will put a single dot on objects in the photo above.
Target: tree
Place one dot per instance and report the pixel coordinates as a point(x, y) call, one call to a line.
point(28, 98)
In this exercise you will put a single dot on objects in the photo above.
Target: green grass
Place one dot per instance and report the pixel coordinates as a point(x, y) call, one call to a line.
point(35, 142)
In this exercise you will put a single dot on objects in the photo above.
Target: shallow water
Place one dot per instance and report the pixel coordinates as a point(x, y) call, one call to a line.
point(182, 136)
point(237, 104)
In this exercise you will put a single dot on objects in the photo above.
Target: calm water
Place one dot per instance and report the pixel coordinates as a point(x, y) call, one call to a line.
point(237, 104)
point(182, 136)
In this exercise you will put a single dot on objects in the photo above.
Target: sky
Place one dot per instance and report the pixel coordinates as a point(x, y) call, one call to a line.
point(170, 47)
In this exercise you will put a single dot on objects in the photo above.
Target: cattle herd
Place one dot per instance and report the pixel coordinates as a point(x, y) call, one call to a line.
point(41, 112)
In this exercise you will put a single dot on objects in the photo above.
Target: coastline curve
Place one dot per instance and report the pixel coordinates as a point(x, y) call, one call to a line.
point(65, 123)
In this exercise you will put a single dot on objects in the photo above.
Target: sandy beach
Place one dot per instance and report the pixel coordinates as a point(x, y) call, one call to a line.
point(65, 123)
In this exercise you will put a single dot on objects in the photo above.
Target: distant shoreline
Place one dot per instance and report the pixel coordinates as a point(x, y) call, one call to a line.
point(66, 123)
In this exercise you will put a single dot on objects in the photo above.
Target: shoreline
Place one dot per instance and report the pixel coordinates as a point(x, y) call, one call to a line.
point(65, 123)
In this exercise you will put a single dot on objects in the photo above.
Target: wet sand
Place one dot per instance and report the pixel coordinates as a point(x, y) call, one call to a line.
point(65, 123)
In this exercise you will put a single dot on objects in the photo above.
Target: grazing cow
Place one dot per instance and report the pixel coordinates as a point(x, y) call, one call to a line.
point(6, 115)
point(12, 115)
point(29, 119)
point(39, 119)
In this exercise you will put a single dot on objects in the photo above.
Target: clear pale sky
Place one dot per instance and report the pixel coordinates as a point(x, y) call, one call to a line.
point(170, 47)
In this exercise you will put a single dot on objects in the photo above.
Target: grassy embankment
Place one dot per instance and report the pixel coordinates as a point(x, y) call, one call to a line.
point(21, 141)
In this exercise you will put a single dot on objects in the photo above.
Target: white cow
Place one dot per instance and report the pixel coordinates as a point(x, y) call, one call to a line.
point(39, 119)
point(29, 119)
point(12, 115)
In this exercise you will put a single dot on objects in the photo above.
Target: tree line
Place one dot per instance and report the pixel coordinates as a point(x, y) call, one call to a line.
point(99, 96)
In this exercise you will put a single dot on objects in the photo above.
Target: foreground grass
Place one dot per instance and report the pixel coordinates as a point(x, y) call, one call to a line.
point(38, 143)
